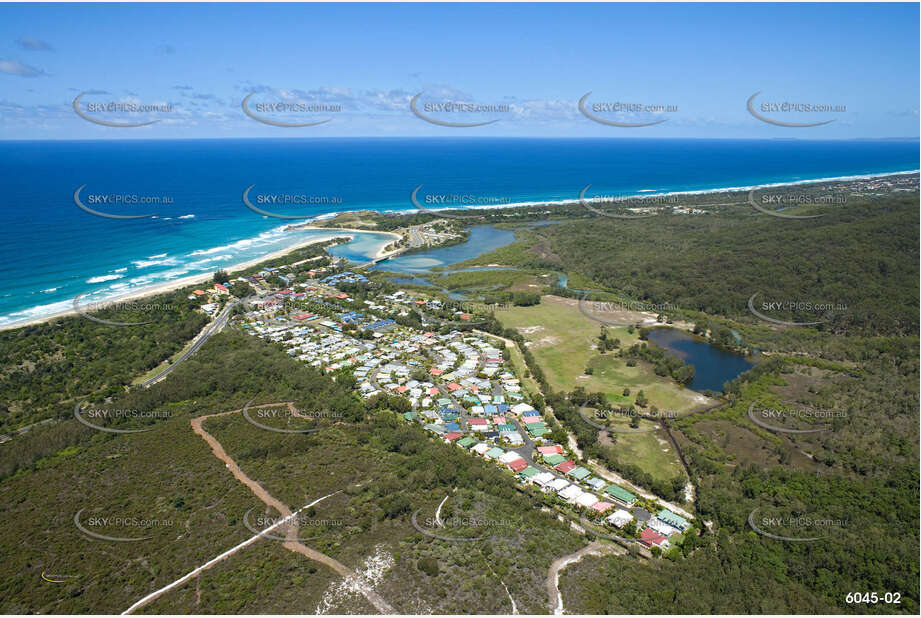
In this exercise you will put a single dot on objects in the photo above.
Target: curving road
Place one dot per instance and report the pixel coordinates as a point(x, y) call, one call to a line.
point(215, 326)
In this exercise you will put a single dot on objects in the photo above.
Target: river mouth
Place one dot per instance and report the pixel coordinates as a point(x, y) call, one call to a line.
point(713, 366)
point(482, 239)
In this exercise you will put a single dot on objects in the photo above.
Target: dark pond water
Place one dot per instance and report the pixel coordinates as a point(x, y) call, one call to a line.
point(712, 366)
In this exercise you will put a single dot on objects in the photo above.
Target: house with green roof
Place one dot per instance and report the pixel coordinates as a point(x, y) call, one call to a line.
point(505, 427)
point(466, 442)
point(554, 459)
point(620, 494)
point(439, 429)
point(579, 473)
point(674, 520)
point(528, 472)
point(410, 416)
point(494, 453)
point(537, 429)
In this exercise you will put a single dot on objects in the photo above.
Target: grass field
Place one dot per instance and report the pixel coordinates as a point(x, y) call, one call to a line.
point(563, 342)
point(489, 279)
point(650, 450)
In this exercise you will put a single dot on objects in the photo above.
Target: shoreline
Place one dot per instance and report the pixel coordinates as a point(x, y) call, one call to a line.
point(144, 292)
point(170, 286)
point(653, 194)
point(640, 194)
point(381, 251)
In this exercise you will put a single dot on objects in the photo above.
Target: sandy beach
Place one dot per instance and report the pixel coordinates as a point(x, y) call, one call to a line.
point(381, 252)
point(191, 280)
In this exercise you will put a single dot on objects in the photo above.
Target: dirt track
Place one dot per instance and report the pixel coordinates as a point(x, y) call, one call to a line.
point(293, 528)
point(291, 543)
point(553, 576)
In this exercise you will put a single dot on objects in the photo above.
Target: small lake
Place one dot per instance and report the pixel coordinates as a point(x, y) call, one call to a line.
point(362, 248)
point(712, 366)
point(482, 239)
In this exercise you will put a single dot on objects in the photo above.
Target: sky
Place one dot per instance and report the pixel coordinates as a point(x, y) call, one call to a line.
point(689, 68)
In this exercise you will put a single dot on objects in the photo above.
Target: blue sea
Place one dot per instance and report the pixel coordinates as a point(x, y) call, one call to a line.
point(51, 250)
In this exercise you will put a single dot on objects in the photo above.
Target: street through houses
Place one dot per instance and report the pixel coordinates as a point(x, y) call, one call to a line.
point(457, 384)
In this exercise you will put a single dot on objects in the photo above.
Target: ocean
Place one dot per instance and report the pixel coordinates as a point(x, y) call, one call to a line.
point(52, 250)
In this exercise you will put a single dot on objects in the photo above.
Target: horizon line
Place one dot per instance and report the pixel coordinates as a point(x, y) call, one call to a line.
point(464, 137)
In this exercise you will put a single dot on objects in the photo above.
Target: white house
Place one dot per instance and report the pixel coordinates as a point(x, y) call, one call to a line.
point(481, 448)
point(587, 500)
point(522, 408)
point(620, 518)
point(570, 494)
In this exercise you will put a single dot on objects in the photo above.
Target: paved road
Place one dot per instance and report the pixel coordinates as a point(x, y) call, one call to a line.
point(215, 326)
point(415, 238)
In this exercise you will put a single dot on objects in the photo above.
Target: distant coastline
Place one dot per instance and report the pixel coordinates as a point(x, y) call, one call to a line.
point(331, 232)
point(177, 284)
point(652, 194)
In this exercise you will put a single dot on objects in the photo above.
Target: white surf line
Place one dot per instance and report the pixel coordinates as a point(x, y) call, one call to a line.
point(153, 595)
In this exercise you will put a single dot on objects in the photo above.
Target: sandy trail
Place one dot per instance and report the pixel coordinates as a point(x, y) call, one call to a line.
point(289, 520)
point(595, 548)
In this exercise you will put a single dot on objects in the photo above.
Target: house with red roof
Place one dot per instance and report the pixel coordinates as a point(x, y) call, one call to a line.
point(650, 537)
point(566, 466)
point(454, 435)
point(454, 386)
point(518, 465)
point(436, 371)
point(550, 450)
point(477, 422)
